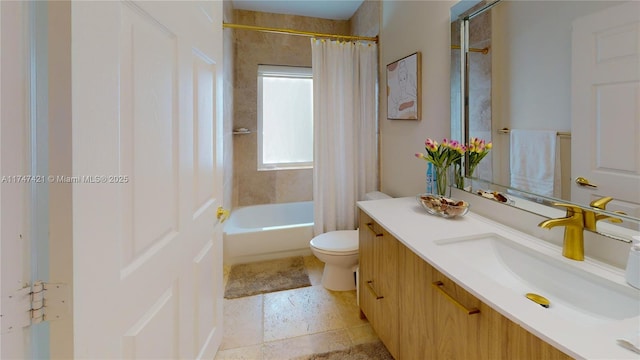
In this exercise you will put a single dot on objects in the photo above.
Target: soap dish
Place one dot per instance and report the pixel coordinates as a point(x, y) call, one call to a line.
point(443, 206)
point(496, 196)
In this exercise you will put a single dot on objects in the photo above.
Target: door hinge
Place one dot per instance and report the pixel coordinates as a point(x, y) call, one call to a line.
point(34, 304)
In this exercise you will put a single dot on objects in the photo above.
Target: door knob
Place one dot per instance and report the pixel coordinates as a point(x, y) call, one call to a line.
point(584, 182)
point(222, 214)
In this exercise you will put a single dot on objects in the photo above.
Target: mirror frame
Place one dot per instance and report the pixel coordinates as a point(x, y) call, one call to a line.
point(464, 134)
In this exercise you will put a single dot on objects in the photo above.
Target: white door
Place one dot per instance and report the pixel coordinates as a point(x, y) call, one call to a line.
point(147, 252)
point(14, 237)
point(606, 107)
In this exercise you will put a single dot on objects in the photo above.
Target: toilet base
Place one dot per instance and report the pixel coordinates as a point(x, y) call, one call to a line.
point(338, 278)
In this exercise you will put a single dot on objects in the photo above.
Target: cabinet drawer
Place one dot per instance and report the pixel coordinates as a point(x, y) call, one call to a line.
point(457, 296)
point(487, 334)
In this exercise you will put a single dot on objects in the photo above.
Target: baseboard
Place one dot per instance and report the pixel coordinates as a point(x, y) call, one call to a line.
point(268, 256)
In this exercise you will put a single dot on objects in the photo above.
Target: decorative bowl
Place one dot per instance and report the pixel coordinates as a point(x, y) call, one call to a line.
point(442, 206)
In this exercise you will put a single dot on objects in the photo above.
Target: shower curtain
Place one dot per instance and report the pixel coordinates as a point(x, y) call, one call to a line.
point(345, 130)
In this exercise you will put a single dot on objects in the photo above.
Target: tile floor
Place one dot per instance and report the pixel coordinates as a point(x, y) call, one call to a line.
point(292, 323)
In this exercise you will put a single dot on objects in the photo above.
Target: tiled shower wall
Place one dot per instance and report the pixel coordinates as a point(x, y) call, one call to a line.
point(480, 88)
point(366, 20)
point(251, 48)
point(479, 83)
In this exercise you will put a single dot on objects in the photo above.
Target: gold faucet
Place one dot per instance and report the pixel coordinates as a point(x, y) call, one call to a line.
point(573, 246)
point(590, 217)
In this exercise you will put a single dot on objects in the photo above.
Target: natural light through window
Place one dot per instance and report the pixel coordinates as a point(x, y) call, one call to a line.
point(285, 117)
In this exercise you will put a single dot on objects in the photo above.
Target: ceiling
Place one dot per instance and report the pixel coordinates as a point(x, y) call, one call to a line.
point(325, 9)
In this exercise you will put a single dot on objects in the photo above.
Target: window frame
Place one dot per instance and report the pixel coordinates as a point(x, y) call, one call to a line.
point(278, 71)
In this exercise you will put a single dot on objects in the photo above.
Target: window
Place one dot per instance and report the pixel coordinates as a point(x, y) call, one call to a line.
point(285, 117)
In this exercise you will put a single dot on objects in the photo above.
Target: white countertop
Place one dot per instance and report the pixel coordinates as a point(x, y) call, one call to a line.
point(407, 221)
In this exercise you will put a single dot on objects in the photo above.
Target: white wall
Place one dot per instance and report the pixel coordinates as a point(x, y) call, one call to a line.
point(534, 58)
point(407, 27)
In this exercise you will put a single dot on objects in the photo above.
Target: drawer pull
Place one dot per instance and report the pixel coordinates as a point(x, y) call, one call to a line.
point(439, 284)
point(373, 291)
point(370, 226)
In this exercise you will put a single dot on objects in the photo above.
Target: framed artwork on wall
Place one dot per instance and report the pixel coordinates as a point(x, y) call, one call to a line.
point(404, 88)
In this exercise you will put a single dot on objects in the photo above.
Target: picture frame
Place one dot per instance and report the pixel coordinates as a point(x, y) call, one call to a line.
point(404, 81)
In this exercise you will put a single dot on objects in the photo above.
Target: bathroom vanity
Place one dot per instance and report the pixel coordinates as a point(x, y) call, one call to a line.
point(455, 288)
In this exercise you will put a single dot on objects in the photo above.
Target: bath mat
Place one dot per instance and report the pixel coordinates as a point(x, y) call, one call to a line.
point(368, 351)
point(266, 276)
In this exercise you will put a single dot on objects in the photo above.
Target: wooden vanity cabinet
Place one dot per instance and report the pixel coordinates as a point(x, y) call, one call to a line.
point(425, 315)
point(378, 281)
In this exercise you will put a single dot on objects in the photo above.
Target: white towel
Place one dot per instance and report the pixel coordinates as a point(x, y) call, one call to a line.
point(535, 161)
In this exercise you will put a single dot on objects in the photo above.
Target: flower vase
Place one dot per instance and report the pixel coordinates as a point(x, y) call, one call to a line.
point(441, 180)
point(472, 170)
point(457, 176)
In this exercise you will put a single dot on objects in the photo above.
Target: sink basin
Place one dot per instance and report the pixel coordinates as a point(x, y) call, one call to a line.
point(574, 293)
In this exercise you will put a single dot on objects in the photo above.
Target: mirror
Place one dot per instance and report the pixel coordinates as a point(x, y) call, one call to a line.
point(524, 65)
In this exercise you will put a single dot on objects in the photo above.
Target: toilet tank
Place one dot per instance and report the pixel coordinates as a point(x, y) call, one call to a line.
point(376, 195)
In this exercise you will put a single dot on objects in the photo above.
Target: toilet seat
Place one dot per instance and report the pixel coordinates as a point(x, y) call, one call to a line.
point(342, 242)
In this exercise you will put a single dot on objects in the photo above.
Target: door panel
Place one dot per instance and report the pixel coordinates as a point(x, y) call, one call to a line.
point(204, 301)
point(155, 334)
point(606, 106)
point(204, 89)
point(146, 247)
point(612, 99)
point(148, 129)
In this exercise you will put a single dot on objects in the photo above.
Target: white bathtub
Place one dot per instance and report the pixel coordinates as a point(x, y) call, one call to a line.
point(270, 231)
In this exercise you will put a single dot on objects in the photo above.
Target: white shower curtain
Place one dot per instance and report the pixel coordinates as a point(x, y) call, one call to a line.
point(345, 130)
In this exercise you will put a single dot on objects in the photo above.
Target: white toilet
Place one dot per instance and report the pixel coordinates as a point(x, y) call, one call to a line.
point(339, 252)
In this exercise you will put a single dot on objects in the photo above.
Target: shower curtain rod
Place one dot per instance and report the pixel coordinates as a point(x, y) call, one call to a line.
point(297, 32)
point(483, 50)
point(312, 34)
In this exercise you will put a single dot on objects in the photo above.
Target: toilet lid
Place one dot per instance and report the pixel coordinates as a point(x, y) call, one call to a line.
point(341, 240)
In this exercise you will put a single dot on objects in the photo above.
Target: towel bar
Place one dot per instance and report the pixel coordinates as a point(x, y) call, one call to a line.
point(560, 133)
